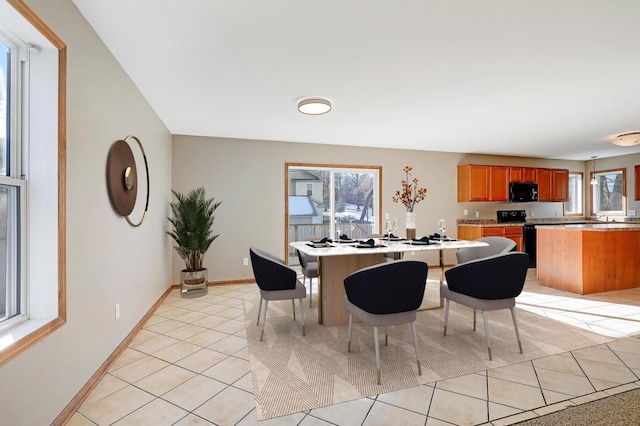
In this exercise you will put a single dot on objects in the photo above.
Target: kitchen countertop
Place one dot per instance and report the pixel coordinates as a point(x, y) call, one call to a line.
point(555, 221)
point(492, 225)
point(594, 227)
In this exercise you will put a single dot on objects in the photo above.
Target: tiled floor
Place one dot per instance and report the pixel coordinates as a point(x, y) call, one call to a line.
point(190, 366)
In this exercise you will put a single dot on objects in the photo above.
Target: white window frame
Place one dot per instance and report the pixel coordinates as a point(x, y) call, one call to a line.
point(576, 189)
point(600, 177)
point(18, 105)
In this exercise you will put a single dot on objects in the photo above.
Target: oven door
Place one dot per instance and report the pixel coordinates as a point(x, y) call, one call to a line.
point(529, 241)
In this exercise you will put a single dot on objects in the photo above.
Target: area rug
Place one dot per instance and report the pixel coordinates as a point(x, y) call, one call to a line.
point(293, 373)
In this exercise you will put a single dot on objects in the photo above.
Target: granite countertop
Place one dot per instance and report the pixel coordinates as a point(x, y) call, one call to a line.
point(594, 227)
point(493, 224)
point(547, 221)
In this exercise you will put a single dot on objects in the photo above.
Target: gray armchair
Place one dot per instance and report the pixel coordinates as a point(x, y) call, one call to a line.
point(277, 282)
point(497, 245)
point(386, 294)
point(487, 284)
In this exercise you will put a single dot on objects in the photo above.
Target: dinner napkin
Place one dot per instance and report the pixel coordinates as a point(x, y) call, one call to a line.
point(370, 242)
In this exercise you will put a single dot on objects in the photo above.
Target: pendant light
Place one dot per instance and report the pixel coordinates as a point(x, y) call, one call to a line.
point(594, 181)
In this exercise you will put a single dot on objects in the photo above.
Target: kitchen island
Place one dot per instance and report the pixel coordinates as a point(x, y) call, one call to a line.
point(589, 258)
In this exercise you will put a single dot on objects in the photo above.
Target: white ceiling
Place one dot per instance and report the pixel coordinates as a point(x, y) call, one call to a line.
point(536, 78)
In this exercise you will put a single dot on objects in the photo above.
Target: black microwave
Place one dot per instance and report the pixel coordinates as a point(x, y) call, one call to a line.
point(523, 192)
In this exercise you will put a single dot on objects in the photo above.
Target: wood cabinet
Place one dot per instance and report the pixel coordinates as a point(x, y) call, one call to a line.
point(523, 174)
point(499, 183)
point(553, 185)
point(474, 232)
point(514, 233)
point(473, 183)
point(560, 185)
point(588, 260)
point(479, 182)
point(544, 185)
point(637, 170)
point(483, 183)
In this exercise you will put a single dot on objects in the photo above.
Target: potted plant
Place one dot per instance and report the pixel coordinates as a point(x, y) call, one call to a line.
point(192, 220)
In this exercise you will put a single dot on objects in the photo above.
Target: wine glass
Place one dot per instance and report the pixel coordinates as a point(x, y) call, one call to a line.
point(351, 228)
point(442, 227)
point(395, 226)
point(388, 226)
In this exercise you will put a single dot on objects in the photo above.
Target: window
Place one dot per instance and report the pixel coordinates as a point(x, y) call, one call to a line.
point(12, 187)
point(574, 205)
point(330, 201)
point(609, 196)
point(32, 173)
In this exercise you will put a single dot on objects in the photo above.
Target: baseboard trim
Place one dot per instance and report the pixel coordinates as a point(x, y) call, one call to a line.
point(80, 397)
point(227, 282)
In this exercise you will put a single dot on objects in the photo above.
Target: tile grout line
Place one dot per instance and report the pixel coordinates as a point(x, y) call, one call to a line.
point(236, 356)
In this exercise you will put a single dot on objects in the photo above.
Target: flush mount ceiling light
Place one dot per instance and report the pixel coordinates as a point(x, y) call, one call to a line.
point(314, 106)
point(626, 139)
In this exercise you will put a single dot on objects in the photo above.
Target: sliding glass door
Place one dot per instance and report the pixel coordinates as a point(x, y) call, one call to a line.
point(327, 201)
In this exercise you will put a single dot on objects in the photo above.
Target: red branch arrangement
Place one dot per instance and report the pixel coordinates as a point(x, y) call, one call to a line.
point(410, 194)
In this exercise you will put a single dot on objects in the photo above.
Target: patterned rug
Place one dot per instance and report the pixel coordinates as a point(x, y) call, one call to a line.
point(293, 373)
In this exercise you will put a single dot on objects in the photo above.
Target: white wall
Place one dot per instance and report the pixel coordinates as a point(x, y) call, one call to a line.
point(108, 261)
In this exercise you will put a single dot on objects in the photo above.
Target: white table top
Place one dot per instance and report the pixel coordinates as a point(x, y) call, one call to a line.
point(341, 249)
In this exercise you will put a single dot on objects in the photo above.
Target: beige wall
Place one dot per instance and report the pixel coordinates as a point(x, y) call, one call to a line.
point(248, 177)
point(108, 261)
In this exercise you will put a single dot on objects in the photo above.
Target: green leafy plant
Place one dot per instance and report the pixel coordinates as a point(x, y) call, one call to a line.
point(192, 220)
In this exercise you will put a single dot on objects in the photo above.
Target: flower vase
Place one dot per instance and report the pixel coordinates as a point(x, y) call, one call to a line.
point(411, 225)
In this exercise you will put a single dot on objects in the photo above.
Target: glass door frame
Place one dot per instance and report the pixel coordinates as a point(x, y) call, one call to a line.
point(377, 192)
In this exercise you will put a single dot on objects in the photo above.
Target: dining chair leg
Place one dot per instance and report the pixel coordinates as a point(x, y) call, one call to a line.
point(377, 343)
point(264, 317)
point(302, 315)
point(310, 292)
point(259, 309)
point(486, 333)
point(293, 308)
point(446, 315)
point(350, 325)
point(474, 319)
point(415, 345)
point(515, 324)
point(386, 336)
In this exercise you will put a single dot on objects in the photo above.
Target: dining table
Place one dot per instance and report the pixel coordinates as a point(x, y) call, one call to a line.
point(339, 258)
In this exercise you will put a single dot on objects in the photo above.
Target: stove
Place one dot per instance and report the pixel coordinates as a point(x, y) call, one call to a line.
point(511, 216)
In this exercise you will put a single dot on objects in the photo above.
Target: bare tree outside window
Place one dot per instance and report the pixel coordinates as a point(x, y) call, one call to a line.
point(331, 201)
point(609, 195)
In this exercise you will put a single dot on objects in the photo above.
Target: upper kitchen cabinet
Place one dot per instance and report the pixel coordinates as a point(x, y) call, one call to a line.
point(499, 183)
point(523, 174)
point(483, 183)
point(553, 184)
point(480, 182)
